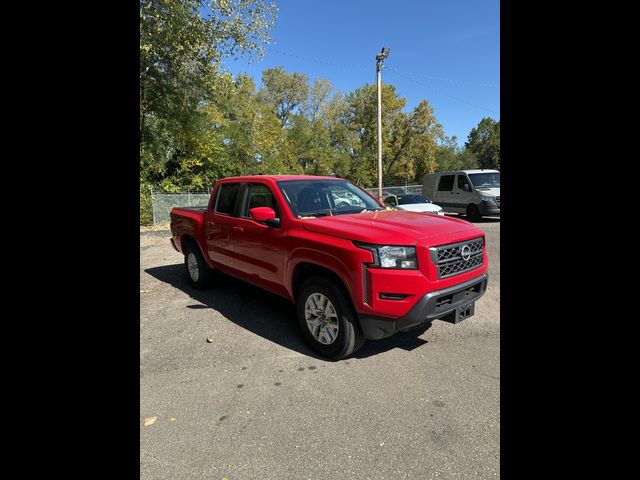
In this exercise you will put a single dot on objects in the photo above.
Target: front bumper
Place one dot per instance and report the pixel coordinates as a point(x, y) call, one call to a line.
point(490, 209)
point(439, 304)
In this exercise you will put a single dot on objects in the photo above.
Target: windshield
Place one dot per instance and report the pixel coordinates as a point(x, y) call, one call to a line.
point(486, 180)
point(408, 199)
point(325, 197)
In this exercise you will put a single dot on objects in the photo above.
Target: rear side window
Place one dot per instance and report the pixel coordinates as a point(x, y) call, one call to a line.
point(446, 183)
point(226, 201)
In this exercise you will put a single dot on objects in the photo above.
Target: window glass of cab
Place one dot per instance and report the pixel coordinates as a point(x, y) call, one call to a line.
point(226, 199)
point(259, 195)
point(463, 183)
point(446, 183)
point(390, 200)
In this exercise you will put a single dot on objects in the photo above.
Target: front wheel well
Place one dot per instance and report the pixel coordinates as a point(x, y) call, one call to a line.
point(305, 270)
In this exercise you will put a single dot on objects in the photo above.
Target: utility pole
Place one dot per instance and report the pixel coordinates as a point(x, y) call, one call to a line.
point(379, 59)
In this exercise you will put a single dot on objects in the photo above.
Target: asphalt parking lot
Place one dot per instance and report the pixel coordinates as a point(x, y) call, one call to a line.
point(257, 403)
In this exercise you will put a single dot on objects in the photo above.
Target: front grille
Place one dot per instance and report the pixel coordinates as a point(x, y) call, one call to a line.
point(498, 201)
point(448, 258)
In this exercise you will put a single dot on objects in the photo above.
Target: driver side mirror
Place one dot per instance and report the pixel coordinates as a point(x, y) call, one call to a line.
point(266, 215)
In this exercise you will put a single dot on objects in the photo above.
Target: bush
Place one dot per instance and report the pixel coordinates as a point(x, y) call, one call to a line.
point(146, 209)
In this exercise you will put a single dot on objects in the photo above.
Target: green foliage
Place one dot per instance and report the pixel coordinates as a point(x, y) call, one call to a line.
point(451, 157)
point(283, 91)
point(408, 139)
point(146, 213)
point(198, 123)
point(181, 85)
point(484, 143)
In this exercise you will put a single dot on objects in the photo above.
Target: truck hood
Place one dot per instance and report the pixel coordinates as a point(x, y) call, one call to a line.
point(393, 227)
point(490, 191)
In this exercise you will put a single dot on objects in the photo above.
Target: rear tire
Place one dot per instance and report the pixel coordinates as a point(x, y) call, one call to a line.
point(473, 213)
point(197, 268)
point(327, 319)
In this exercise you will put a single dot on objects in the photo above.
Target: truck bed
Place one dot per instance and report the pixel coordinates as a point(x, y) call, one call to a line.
point(186, 221)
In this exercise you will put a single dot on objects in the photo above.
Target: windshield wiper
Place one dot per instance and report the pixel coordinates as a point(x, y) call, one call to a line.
point(321, 213)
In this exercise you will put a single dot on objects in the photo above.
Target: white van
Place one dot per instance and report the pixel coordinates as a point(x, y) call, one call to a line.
point(475, 193)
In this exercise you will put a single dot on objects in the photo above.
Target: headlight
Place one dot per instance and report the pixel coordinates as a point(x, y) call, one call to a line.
point(392, 256)
point(488, 199)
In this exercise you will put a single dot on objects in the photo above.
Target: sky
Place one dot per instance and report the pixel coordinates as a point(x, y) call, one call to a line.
point(444, 51)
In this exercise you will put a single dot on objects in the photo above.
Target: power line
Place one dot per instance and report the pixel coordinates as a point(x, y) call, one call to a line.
point(364, 67)
point(442, 93)
point(315, 60)
point(459, 82)
point(398, 72)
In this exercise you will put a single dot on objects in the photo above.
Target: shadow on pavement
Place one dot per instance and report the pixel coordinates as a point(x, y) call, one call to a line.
point(266, 314)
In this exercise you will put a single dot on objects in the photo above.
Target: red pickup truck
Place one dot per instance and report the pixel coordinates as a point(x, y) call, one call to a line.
point(355, 269)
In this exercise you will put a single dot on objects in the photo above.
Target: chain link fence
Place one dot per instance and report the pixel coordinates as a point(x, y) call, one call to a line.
point(395, 189)
point(162, 203)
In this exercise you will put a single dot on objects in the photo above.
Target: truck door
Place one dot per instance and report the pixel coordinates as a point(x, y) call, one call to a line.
point(220, 220)
point(463, 191)
point(446, 197)
point(258, 248)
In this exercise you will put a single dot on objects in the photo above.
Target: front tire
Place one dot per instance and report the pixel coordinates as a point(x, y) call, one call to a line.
point(327, 319)
point(473, 213)
point(197, 268)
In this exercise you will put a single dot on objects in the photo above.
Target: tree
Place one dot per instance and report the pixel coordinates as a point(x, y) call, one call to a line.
point(484, 142)
point(181, 44)
point(408, 140)
point(449, 156)
point(423, 146)
point(286, 92)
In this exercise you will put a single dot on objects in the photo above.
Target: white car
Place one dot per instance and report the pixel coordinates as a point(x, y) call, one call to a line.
point(413, 202)
point(344, 198)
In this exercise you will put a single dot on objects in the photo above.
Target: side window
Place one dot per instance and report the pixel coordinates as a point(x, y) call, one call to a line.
point(226, 201)
point(446, 183)
point(463, 183)
point(259, 195)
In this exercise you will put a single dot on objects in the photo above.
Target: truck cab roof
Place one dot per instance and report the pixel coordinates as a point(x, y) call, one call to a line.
point(248, 178)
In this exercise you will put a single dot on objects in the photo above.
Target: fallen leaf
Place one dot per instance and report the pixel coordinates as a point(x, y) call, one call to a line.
point(144, 291)
point(209, 339)
point(150, 421)
point(172, 419)
point(382, 444)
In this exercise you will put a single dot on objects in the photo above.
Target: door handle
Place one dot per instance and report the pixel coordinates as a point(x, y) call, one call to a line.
point(210, 222)
point(239, 229)
point(457, 193)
